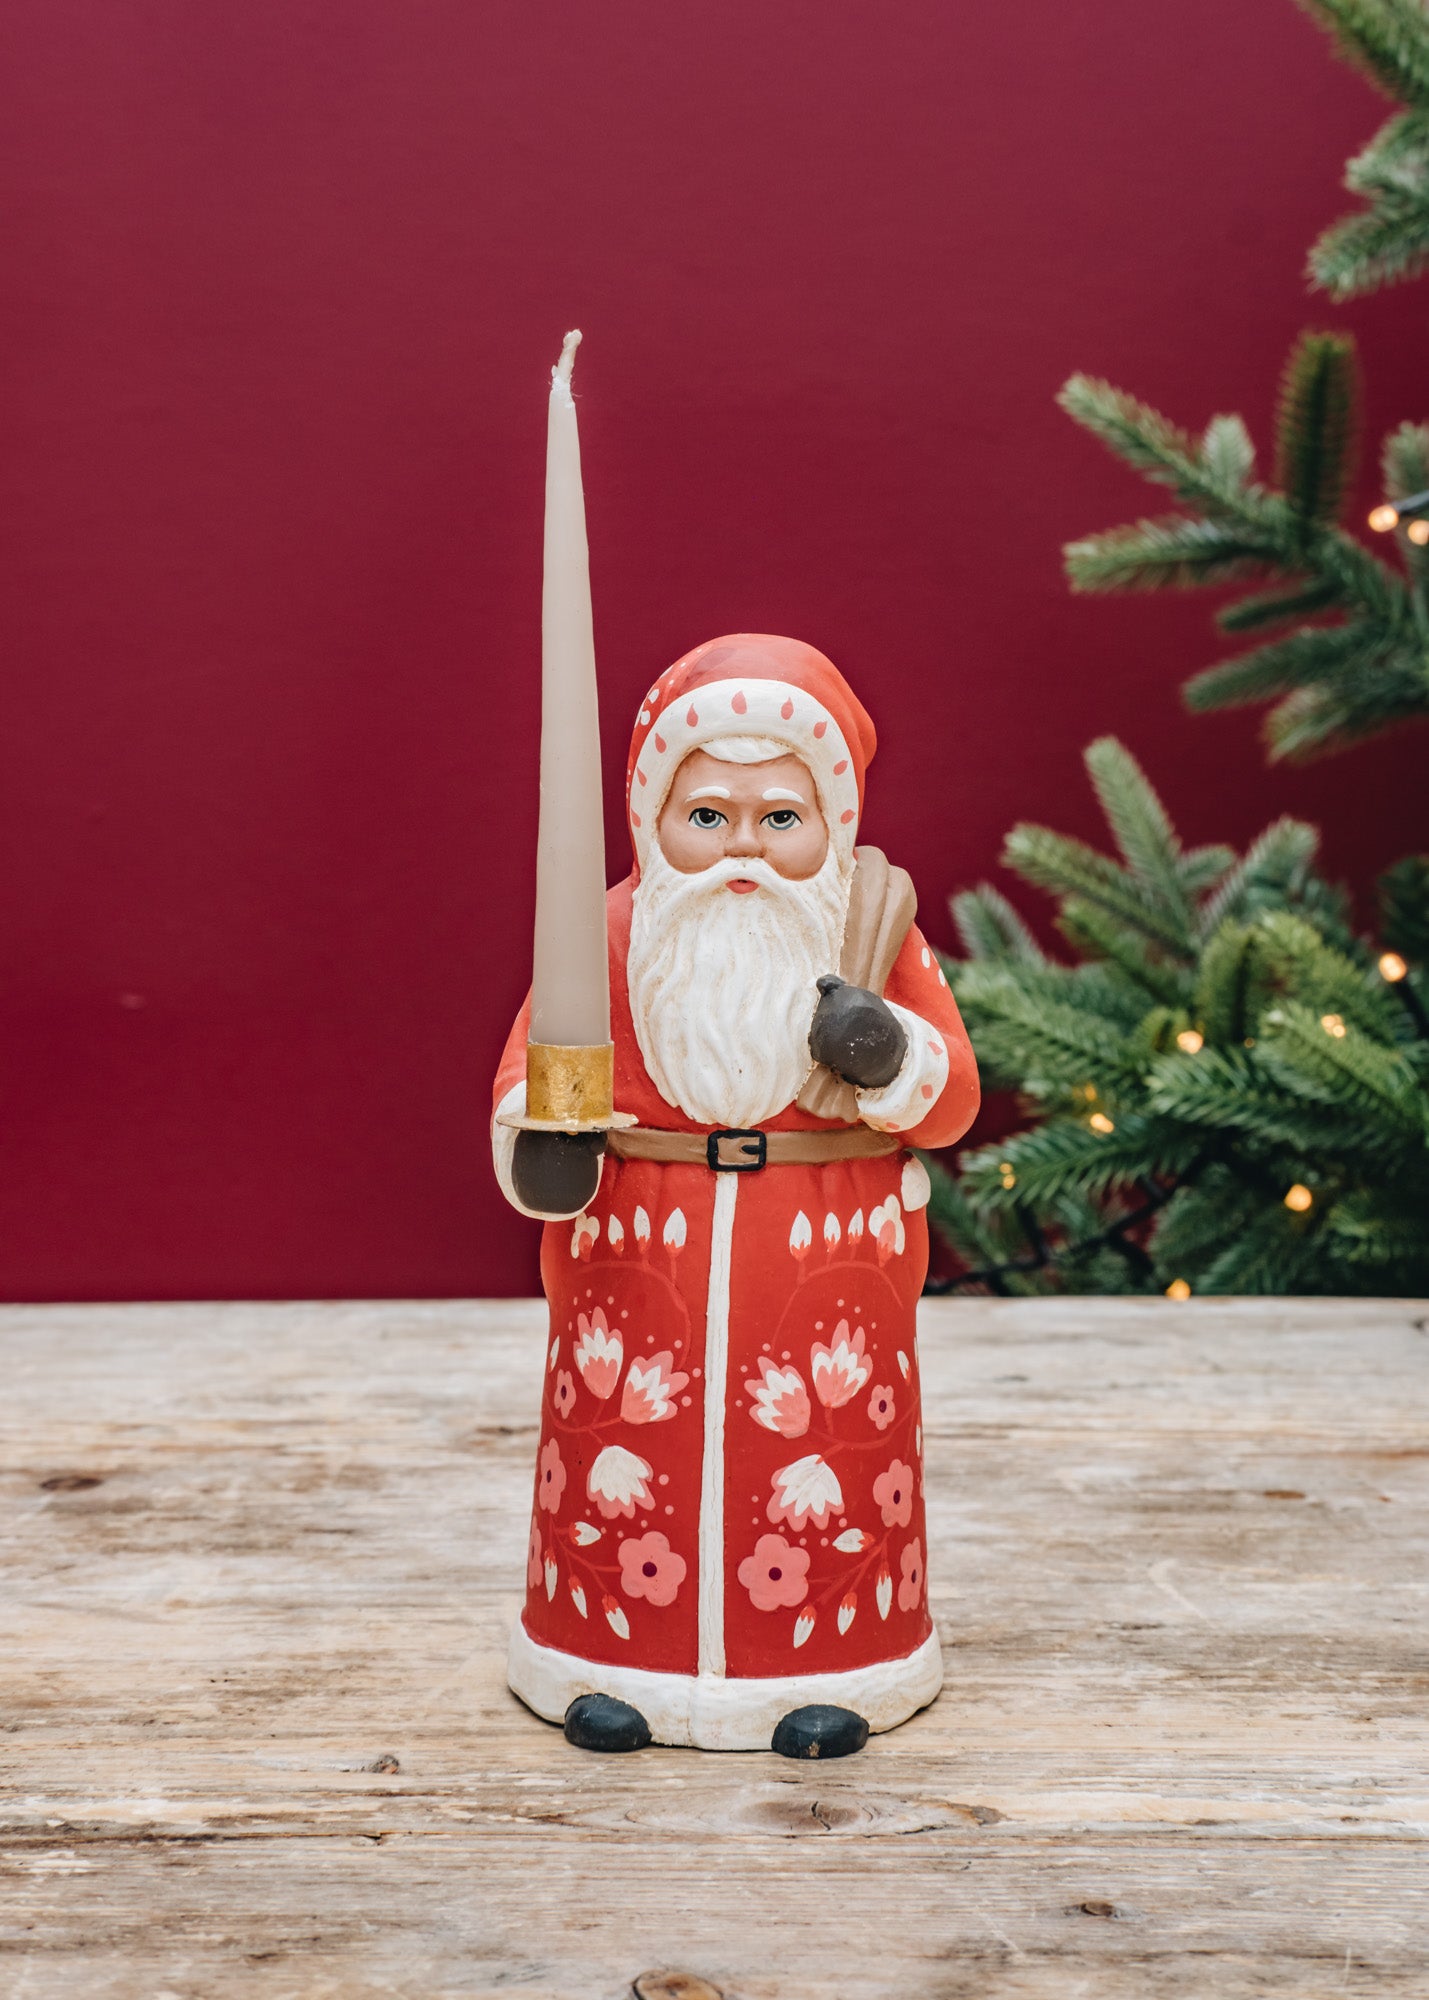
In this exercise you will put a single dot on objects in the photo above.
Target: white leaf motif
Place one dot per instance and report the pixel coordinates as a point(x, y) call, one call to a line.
point(578, 1598)
point(883, 1592)
point(848, 1611)
point(616, 1619)
point(852, 1540)
point(586, 1532)
point(803, 1626)
point(550, 1579)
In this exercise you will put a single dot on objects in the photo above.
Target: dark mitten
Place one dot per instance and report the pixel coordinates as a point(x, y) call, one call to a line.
point(555, 1173)
point(856, 1035)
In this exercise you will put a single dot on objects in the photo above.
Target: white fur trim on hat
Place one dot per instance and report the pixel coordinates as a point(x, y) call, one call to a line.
point(750, 707)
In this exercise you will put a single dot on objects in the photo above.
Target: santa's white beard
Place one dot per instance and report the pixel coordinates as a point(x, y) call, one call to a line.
point(722, 985)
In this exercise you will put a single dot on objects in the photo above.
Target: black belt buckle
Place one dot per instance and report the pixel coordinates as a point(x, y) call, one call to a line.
point(748, 1150)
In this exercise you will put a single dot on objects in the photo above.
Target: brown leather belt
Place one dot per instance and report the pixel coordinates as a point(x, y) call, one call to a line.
point(737, 1151)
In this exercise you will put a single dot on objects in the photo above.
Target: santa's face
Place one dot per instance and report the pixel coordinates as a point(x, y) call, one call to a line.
point(739, 909)
point(766, 812)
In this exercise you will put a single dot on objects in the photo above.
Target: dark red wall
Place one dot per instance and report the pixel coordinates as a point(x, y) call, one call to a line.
point(281, 286)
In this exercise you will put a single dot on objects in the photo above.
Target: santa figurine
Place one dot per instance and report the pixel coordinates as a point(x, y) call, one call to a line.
point(728, 1546)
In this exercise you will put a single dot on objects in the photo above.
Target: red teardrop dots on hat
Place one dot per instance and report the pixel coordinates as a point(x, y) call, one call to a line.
point(820, 727)
point(738, 703)
point(840, 767)
point(641, 775)
point(927, 1090)
point(845, 817)
point(692, 715)
point(788, 709)
point(660, 744)
point(635, 819)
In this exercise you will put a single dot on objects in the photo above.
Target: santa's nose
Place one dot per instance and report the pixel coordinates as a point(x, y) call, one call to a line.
point(743, 841)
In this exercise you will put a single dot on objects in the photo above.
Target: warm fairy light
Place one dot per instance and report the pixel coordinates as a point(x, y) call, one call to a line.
point(1191, 1041)
point(1299, 1198)
point(1392, 967)
point(1418, 533)
point(1383, 518)
point(1099, 1122)
point(1089, 1091)
point(1178, 1289)
point(1333, 1025)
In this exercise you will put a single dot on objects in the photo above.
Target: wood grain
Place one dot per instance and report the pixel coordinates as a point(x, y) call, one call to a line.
point(257, 1565)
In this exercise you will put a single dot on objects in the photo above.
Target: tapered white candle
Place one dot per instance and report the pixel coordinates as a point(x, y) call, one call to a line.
point(570, 982)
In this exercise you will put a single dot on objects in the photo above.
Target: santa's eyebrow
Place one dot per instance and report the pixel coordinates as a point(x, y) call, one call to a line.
point(709, 792)
point(781, 792)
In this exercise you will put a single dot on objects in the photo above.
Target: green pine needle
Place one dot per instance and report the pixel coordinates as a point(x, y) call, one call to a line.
point(1317, 425)
point(1404, 903)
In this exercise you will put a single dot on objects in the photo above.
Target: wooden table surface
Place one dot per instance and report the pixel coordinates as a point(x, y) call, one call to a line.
point(258, 1563)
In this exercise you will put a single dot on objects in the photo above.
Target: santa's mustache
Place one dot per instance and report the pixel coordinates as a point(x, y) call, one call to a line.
point(678, 889)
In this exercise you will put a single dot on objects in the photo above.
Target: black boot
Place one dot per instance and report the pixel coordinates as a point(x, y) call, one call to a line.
point(820, 1731)
point(600, 1722)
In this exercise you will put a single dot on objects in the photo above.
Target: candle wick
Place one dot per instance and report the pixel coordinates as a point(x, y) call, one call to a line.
point(561, 373)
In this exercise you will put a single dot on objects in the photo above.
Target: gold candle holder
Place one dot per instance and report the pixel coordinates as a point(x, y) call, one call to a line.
point(569, 1089)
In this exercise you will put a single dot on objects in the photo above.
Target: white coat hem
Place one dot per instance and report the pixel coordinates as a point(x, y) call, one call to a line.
point(714, 1712)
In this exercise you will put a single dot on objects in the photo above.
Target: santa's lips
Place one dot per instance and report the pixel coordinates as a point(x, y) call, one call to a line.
point(742, 886)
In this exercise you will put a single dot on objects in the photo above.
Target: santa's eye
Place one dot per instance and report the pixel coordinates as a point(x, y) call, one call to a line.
point(706, 818)
point(783, 820)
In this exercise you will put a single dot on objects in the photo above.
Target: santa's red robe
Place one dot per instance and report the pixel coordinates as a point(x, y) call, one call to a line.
point(728, 1517)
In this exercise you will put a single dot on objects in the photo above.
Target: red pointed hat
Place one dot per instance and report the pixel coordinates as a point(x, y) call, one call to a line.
point(752, 684)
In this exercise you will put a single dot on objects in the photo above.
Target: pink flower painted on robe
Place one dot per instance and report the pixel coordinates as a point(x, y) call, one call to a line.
point(885, 1225)
point(781, 1402)
point(618, 1481)
point(881, 1411)
point(893, 1493)
point(599, 1354)
point(776, 1574)
point(651, 1569)
point(533, 1555)
point(551, 1477)
point(910, 1583)
point(840, 1369)
point(563, 1396)
point(808, 1490)
point(650, 1390)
